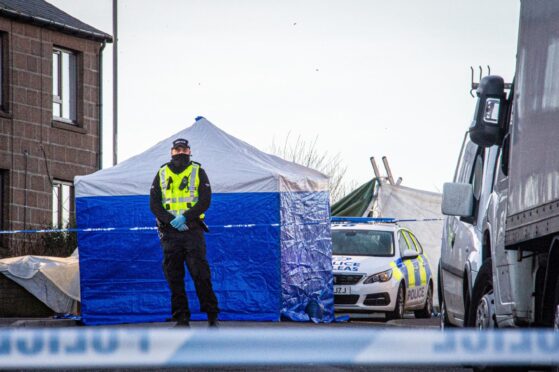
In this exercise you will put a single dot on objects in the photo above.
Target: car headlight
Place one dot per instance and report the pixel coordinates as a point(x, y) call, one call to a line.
point(379, 277)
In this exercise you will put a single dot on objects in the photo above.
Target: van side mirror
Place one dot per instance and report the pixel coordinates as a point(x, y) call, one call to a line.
point(486, 129)
point(409, 254)
point(458, 199)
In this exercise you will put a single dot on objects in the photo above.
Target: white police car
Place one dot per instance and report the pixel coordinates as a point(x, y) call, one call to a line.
point(379, 266)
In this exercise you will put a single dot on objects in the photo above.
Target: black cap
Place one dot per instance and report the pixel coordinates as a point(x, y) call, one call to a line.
point(180, 142)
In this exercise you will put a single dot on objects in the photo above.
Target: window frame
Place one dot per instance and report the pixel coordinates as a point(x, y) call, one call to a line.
point(4, 204)
point(59, 184)
point(416, 242)
point(73, 96)
point(362, 232)
point(478, 179)
point(401, 236)
point(4, 73)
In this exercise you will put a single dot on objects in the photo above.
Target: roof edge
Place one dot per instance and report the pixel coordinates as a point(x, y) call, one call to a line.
point(96, 36)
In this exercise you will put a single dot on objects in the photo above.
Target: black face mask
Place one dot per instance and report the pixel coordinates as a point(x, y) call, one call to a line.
point(180, 160)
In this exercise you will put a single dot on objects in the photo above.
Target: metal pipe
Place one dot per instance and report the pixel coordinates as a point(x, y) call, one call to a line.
point(26, 160)
point(100, 107)
point(388, 171)
point(115, 82)
point(375, 168)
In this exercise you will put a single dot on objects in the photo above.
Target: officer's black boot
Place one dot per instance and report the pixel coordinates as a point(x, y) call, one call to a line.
point(212, 320)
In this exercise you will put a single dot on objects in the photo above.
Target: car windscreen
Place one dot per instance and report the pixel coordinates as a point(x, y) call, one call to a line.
point(362, 243)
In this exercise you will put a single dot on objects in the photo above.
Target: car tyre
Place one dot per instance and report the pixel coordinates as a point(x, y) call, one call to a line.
point(398, 312)
point(427, 310)
point(482, 306)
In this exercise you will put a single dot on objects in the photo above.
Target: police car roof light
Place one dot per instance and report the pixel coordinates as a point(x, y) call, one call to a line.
point(363, 220)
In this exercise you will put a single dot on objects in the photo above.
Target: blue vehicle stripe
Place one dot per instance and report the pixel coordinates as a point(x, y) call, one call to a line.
point(402, 268)
point(416, 272)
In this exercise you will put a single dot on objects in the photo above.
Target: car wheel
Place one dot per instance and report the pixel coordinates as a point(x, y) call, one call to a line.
point(485, 312)
point(427, 310)
point(482, 306)
point(398, 312)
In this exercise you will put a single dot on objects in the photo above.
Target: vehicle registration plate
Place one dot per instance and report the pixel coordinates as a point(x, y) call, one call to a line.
point(342, 289)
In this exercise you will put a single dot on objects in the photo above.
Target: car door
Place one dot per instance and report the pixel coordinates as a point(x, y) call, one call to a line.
point(410, 266)
point(423, 267)
point(460, 236)
point(416, 293)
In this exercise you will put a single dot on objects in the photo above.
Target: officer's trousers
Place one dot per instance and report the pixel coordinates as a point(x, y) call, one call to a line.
point(189, 248)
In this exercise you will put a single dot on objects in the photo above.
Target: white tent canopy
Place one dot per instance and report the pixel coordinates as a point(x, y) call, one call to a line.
point(233, 166)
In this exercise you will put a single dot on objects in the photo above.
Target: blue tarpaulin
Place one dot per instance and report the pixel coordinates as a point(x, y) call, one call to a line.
point(269, 247)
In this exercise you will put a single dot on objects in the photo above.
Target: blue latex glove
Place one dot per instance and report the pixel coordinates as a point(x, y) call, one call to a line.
point(183, 227)
point(178, 221)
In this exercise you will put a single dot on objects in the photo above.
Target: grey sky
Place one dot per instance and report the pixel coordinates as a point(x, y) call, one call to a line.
point(367, 77)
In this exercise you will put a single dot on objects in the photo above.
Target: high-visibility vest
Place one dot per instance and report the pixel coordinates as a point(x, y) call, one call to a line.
point(179, 192)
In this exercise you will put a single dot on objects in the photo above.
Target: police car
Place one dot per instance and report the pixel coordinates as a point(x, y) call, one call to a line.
point(379, 266)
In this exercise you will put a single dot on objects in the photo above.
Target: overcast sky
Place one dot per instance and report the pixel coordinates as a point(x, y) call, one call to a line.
point(367, 77)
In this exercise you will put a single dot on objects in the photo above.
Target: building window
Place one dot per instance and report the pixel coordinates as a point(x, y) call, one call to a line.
point(64, 85)
point(3, 206)
point(3, 72)
point(3, 198)
point(62, 204)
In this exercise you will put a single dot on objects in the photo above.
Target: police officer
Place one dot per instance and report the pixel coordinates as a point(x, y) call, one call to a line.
point(180, 194)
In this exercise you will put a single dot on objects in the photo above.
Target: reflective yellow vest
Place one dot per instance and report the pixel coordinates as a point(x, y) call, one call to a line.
point(179, 192)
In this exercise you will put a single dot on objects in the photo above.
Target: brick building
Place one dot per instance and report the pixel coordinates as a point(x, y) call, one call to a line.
point(50, 75)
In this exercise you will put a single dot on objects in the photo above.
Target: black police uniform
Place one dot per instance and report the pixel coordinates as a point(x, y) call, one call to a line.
point(185, 246)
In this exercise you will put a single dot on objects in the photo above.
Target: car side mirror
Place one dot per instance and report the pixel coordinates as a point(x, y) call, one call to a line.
point(458, 199)
point(409, 254)
point(486, 129)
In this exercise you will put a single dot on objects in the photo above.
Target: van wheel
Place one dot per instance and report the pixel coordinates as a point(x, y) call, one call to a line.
point(398, 312)
point(481, 312)
point(556, 307)
point(427, 310)
point(485, 312)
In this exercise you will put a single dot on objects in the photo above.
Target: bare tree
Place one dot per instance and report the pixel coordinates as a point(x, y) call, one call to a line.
point(307, 154)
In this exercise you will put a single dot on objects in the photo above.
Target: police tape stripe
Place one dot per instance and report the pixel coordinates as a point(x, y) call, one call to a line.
point(157, 347)
point(148, 228)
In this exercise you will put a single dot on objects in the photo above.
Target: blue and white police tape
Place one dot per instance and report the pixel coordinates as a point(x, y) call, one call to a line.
point(156, 347)
point(231, 226)
point(148, 228)
point(380, 219)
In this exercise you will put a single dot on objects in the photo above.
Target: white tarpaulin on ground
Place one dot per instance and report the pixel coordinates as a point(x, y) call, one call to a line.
point(406, 203)
point(53, 280)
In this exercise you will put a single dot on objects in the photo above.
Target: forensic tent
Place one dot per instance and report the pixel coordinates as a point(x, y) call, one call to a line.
point(269, 244)
point(419, 210)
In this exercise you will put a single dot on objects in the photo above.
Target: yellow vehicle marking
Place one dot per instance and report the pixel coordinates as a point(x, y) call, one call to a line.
point(411, 272)
point(396, 273)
